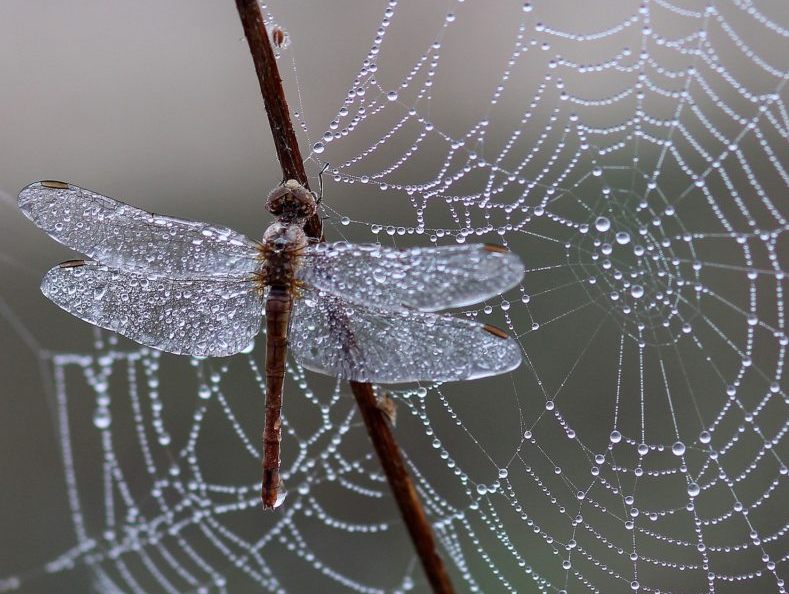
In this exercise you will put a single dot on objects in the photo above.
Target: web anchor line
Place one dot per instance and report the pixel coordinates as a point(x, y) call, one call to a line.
point(374, 418)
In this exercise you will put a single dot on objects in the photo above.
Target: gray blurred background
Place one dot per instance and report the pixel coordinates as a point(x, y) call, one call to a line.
point(157, 104)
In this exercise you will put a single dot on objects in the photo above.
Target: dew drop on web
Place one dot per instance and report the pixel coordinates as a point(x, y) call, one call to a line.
point(602, 224)
point(102, 418)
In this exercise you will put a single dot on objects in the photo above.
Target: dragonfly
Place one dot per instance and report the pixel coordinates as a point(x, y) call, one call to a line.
point(359, 312)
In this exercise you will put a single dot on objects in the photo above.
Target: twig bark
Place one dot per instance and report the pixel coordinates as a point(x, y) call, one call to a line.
point(285, 141)
point(402, 487)
point(374, 418)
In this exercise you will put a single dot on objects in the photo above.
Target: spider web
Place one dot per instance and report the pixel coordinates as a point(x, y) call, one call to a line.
point(636, 159)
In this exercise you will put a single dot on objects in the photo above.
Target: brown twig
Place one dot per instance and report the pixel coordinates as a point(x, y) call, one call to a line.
point(402, 487)
point(374, 418)
point(285, 140)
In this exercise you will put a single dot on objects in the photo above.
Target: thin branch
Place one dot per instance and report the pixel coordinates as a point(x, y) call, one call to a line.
point(285, 140)
point(374, 418)
point(402, 487)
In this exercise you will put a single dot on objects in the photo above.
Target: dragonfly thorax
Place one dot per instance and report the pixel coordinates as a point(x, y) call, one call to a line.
point(291, 201)
point(282, 245)
point(284, 238)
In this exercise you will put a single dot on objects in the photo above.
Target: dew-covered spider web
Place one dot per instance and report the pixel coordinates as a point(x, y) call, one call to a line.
point(636, 156)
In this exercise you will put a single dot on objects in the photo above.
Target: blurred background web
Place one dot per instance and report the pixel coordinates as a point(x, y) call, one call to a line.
point(633, 154)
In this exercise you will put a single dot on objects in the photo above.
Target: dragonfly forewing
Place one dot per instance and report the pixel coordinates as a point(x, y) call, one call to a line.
point(426, 279)
point(366, 344)
point(123, 236)
point(202, 317)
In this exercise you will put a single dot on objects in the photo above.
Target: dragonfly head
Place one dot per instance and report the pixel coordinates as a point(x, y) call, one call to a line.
point(282, 237)
point(291, 201)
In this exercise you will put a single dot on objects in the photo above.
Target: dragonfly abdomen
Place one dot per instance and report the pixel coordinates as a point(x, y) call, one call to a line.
point(282, 244)
point(278, 306)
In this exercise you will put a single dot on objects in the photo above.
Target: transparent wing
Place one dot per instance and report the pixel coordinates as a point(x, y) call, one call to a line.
point(122, 236)
point(209, 318)
point(382, 346)
point(426, 279)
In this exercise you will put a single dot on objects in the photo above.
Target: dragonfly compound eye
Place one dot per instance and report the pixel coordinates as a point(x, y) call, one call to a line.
point(291, 200)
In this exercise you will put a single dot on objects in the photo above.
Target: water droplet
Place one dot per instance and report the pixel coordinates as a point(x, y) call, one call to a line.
point(392, 95)
point(615, 436)
point(527, 7)
point(623, 238)
point(693, 489)
point(602, 224)
point(503, 473)
point(318, 147)
point(102, 418)
point(204, 392)
point(281, 494)
point(678, 449)
point(345, 221)
point(637, 291)
point(705, 437)
point(482, 489)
